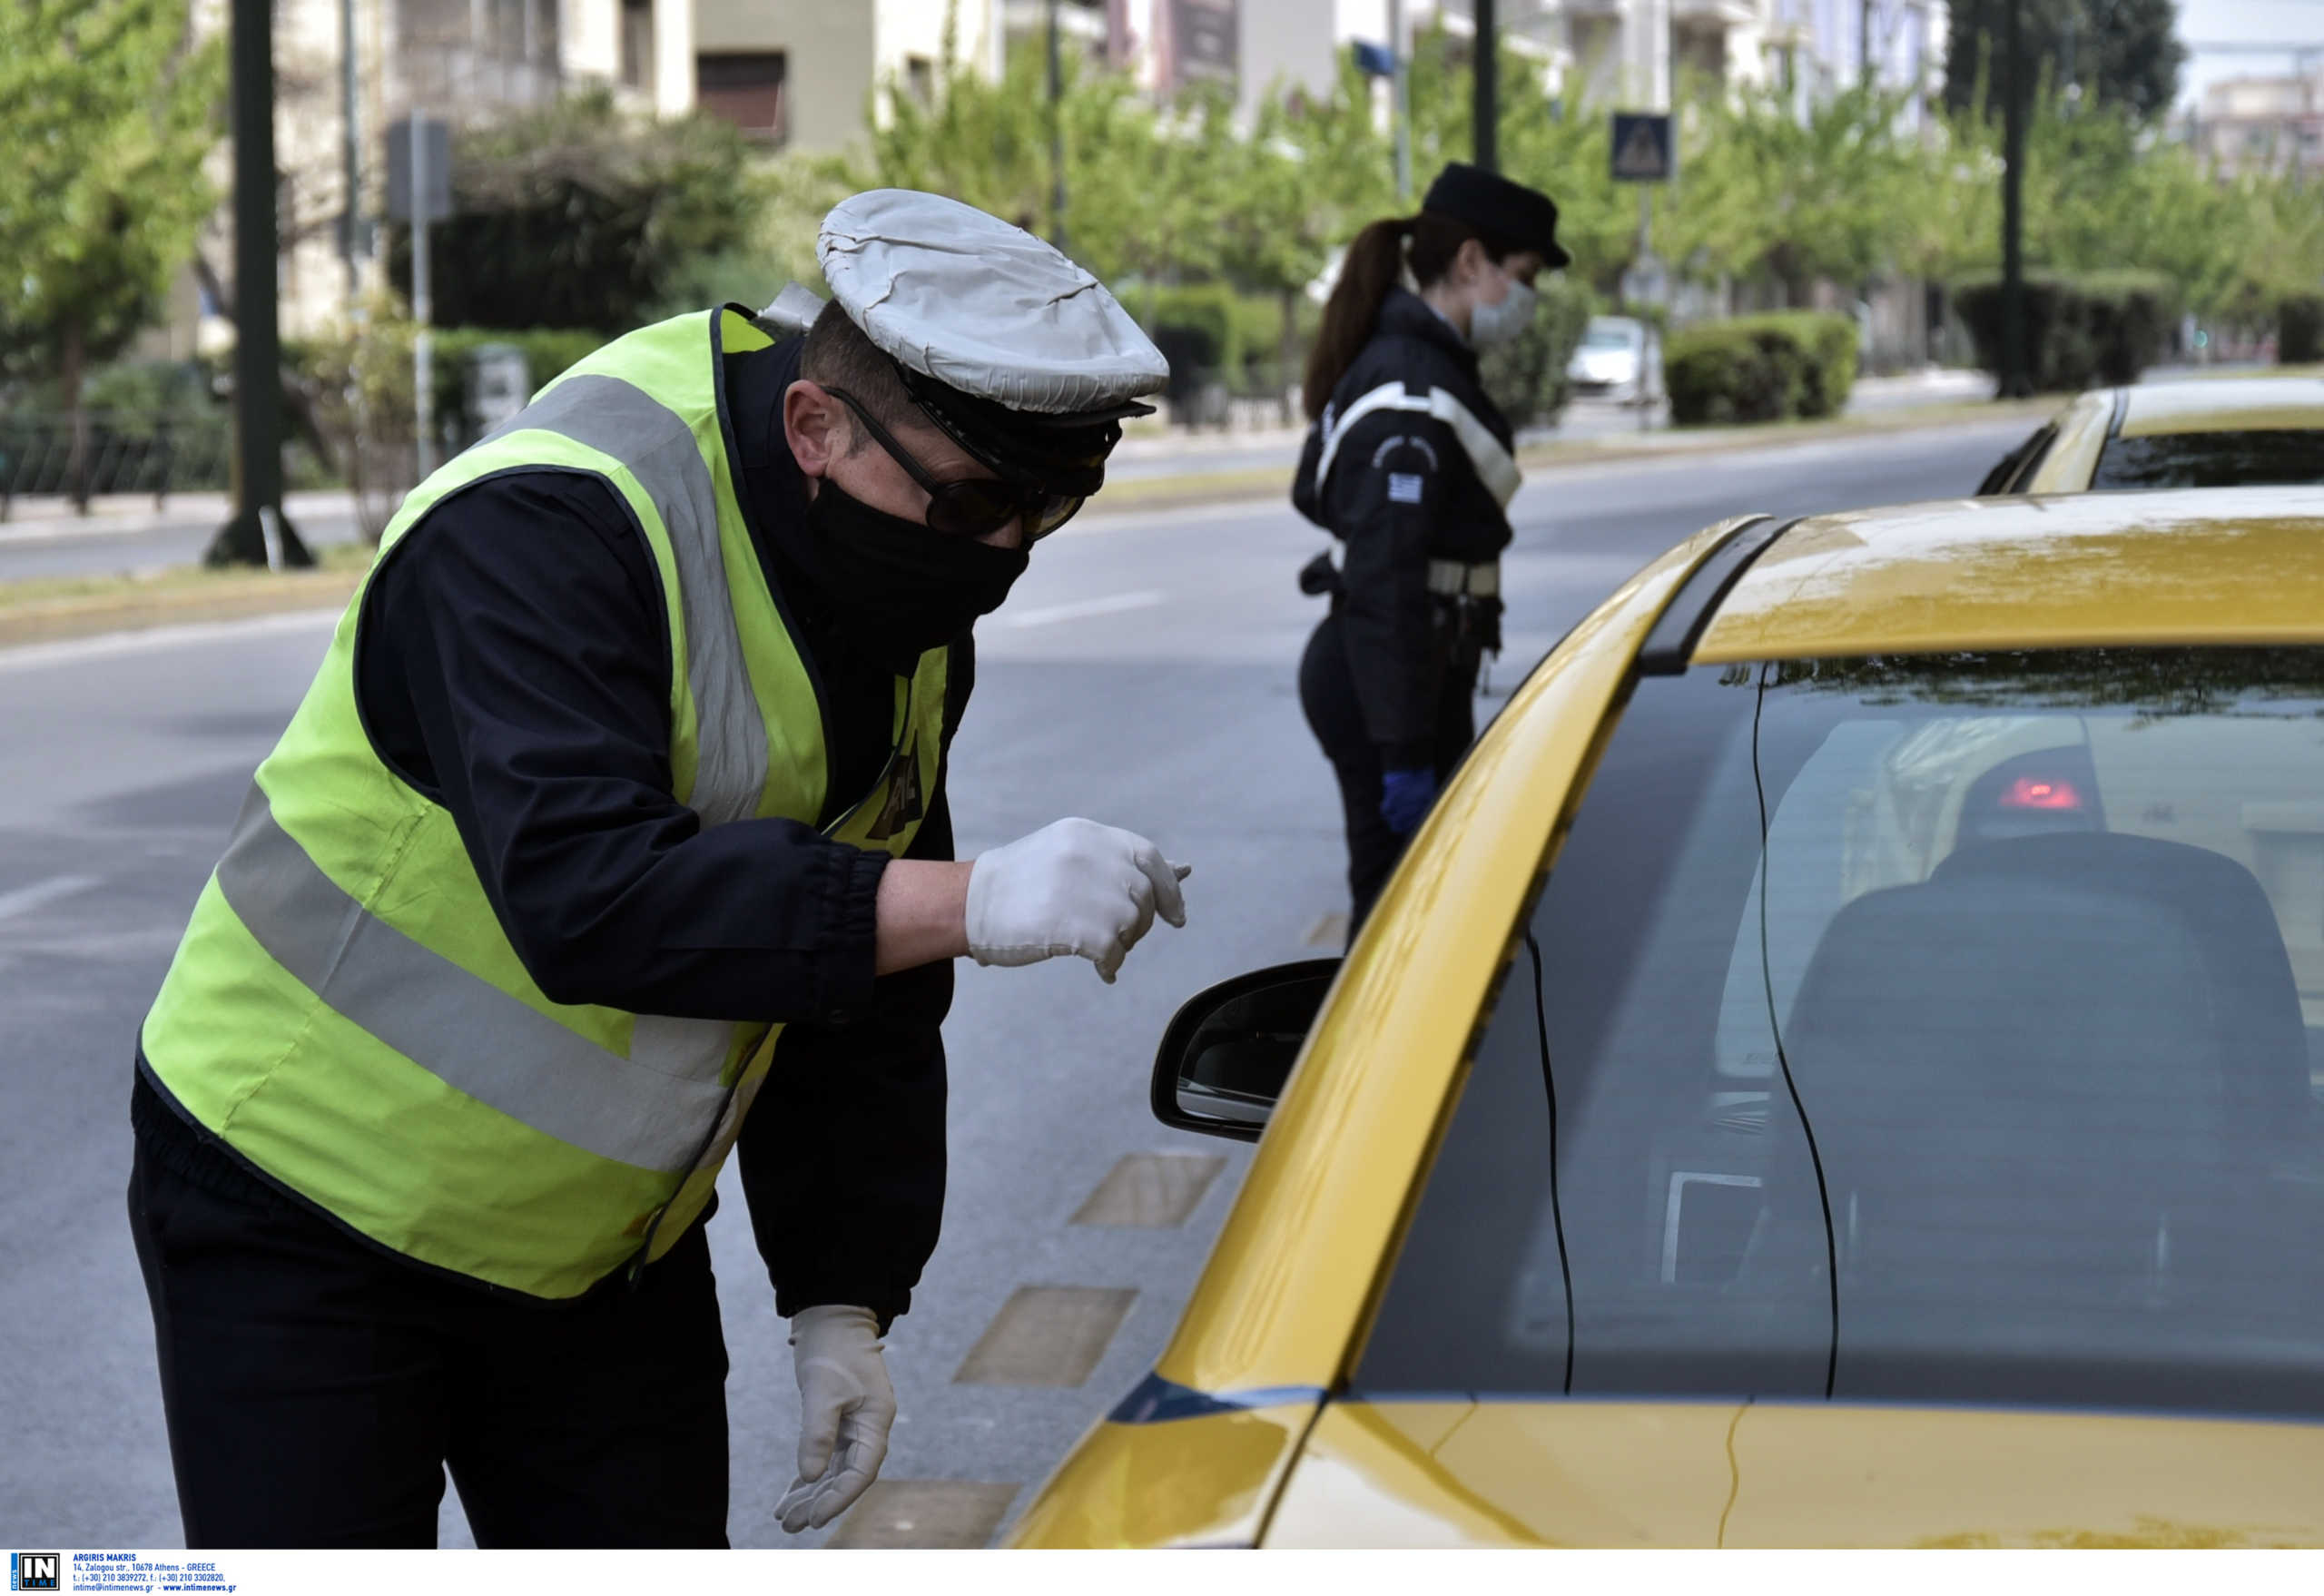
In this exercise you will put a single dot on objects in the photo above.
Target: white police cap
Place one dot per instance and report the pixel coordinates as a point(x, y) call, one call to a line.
point(984, 307)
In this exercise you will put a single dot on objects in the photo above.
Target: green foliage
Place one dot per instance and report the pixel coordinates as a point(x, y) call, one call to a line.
point(1794, 364)
point(2300, 329)
point(110, 117)
point(1765, 195)
point(2124, 54)
point(2101, 327)
point(580, 215)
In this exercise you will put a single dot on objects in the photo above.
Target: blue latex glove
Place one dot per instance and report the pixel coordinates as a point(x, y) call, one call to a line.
point(1404, 798)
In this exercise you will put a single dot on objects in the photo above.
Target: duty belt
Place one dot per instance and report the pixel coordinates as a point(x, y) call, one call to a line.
point(1456, 579)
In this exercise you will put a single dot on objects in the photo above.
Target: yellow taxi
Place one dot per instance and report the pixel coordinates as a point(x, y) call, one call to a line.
point(1836, 1068)
point(2227, 432)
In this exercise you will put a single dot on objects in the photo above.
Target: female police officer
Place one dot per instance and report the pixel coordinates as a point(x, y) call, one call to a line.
point(1408, 464)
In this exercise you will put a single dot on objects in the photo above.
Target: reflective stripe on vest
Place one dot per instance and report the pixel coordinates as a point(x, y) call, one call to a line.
point(465, 1031)
point(1496, 467)
point(621, 419)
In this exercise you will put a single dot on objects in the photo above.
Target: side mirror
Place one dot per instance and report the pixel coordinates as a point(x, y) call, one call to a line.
point(1227, 1051)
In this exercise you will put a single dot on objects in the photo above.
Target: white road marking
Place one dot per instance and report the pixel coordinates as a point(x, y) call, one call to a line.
point(1084, 609)
point(70, 651)
point(25, 899)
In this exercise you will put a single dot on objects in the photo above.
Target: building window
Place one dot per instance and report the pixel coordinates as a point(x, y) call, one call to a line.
point(920, 79)
point(638, 43)
point(746, 89)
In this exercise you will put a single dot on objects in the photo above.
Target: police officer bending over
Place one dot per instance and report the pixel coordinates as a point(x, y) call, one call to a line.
point(1408, 465)
point(615, 814)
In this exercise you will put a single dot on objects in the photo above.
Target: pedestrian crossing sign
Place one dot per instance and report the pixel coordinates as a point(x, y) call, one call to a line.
point(1641, 147)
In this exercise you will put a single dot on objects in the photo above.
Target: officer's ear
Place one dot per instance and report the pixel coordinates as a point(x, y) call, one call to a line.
point(817, 427)
point(1470, 261)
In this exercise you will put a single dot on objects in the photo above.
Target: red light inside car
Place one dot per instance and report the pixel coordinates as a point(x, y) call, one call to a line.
point(2034, 793)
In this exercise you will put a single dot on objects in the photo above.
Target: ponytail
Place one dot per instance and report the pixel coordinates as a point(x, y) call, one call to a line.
point(1374, 261)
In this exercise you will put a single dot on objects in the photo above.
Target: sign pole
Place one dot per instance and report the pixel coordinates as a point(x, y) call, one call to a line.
point(1401, 99)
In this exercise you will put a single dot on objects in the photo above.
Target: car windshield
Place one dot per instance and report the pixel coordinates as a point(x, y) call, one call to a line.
point(1607, 338)
point(1916, 1030)
point(2212, 459)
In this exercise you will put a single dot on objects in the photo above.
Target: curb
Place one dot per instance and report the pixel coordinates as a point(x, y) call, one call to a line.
point(60, 620)
point(1259, 484)
point(244, 597)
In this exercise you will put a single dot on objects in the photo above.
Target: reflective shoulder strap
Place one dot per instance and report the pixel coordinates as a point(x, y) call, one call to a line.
point(1495, 466)
point(1388, 395)
point(617, 418)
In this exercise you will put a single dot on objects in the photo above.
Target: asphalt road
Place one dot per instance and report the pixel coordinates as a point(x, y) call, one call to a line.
point(1142, 674)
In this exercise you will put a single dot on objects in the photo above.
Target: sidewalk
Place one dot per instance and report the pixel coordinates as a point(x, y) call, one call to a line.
point(330, 516)
point(53, 519)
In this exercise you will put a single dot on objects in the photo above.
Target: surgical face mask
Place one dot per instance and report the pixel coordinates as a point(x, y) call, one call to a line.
point(898, 589)
point(1496, 324)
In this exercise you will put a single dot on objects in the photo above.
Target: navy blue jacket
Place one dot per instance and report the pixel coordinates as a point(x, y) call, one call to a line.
point(1402, 488)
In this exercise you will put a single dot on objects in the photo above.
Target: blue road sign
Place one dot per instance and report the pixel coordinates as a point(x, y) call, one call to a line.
point(1642, 148)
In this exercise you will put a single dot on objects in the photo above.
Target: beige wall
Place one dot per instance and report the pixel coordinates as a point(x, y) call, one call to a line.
point(838, 51)
point(829, 51)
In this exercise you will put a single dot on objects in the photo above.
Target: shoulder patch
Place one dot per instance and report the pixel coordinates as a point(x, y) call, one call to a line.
point(1413, 441)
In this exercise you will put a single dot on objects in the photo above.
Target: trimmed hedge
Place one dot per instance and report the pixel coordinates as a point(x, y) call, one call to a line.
point(1792, 364)
point(2101, 328)
point(1208, 332)
point(2300, 330)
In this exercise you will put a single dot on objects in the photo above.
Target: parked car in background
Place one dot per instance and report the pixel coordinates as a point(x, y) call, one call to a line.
point(2228, 432)
point(1837, 1067)
point(1613, 358)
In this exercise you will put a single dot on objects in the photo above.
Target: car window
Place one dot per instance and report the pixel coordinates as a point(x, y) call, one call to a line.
point(1933, 1029)
point(2212, 459)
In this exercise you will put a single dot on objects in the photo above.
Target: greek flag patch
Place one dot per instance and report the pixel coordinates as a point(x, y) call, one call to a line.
point(1403, 488)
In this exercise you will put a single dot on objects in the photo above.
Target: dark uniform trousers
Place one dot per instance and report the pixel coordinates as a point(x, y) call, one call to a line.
point(1328, 693)
point(317, 1387)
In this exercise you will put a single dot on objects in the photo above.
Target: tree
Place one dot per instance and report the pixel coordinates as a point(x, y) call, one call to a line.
point(2103, 191)
point(1130, 195)
point(1308, 177)
point(110, 114)
point(1769, 193)
point(580, 215)
point(2120, 52)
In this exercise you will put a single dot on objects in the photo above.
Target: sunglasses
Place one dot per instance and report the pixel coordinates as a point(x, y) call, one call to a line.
point(972, 506)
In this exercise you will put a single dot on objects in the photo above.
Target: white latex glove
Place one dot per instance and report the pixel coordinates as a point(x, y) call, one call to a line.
point(845, 1409)
point(1072, 887)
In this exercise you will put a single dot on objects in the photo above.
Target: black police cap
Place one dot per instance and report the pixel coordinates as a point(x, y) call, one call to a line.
point(1508, 212)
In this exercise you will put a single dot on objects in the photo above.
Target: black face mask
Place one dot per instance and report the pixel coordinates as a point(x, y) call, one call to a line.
point(897, 588)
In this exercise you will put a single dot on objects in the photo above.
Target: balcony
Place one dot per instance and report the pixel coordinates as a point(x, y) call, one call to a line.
point(1721, 14)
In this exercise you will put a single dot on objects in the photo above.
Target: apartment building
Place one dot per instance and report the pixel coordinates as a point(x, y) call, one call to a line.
point(464, 61)
point(2263, 124)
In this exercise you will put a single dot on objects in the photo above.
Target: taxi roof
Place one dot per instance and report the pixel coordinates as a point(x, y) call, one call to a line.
point(2190, 566)
point(2246, 404)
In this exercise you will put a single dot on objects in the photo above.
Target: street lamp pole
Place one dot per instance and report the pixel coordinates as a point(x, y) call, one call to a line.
point(1487, 126)
point(2016, 373)
point(259, 532)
